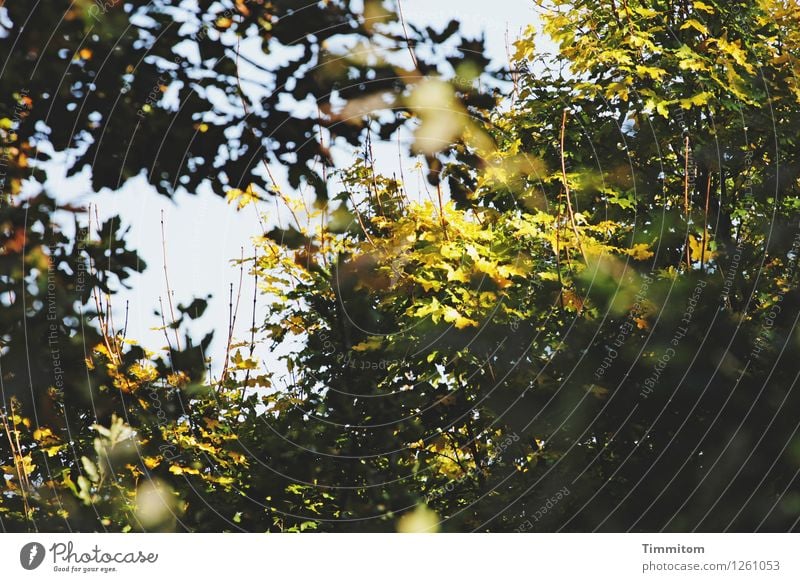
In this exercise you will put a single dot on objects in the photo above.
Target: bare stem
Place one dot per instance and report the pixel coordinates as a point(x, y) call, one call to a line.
point(705, 225)
point(405, 34)
point(570, 213)
point(169, 289)
point(686, 201)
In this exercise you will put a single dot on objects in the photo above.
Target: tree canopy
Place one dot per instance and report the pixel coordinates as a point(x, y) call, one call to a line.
point(580, 315)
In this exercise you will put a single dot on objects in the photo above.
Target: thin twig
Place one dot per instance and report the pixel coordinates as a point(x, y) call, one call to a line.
point(371, 155)
point(441, 210)
point(164, 325)
point(246, 109)
point(405, 34)
point(705, 226)
point(224, 375)
point(232, 313)
point(101, 318)
point(125, 327)
point(253, 323)
point(403, 192)
point(558, 261)
point(512, 69)
point(19, 464)
point(358, 214)
point(322, 144)
point(166, 279)
point(566, 188)
point(686, 201)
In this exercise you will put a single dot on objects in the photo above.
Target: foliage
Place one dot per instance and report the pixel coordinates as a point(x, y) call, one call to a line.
point(594, 303)
point(144, 79)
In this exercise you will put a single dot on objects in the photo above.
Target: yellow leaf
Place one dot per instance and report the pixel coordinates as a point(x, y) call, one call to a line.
point(241, 6)
point(42, 433)
point(640, 251)
point(698, 26)
point(462, 322)
point(459, 275)
point(372, 343)
point(698, 253)
point(572, 301)
point(734, 49)
point(645, 12)
point(703, 6)
point(451, 315)
point(242, 197)
point(178, 470)
point(428, 284)
point(690, 60)
point(151, 462)
point(143, 372)
point(652, 72)
point(696, 100)
point(662, 108)
point(178, 379)
point(511, 271)
point(242, 363)
point(451, 250)
point(525, 48)
point(91, 469)
point(28, 466)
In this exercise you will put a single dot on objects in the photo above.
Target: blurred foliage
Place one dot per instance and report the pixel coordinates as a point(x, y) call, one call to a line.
point(595, 303)
point(156, 88)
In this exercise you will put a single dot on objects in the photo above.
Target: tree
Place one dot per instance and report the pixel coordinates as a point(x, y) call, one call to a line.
point(587, 322)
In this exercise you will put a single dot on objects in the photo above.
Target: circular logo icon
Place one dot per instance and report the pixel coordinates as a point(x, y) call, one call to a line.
point(31, 555)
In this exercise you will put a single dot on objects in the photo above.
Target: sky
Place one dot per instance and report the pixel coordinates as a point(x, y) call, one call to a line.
point(204, 234)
